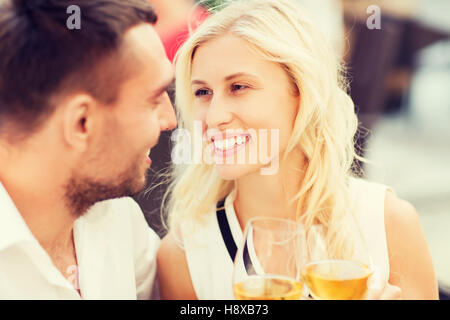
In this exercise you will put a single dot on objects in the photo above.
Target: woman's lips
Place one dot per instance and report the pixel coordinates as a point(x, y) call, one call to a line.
point(230, 145)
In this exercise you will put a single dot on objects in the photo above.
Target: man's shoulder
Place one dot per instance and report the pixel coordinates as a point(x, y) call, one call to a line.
point(120, 218)
point(113, 214)
point(118, 206)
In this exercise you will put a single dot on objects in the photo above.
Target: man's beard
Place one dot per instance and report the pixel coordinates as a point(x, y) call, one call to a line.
point(82, 193)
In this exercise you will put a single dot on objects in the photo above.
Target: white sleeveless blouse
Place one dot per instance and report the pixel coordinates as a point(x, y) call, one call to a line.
point(211, 266)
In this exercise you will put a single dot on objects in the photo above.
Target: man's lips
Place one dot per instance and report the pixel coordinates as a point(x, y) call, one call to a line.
point(148, 160)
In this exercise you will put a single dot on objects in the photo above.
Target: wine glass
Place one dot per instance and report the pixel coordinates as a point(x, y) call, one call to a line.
point(330, 275)
point(267, 264)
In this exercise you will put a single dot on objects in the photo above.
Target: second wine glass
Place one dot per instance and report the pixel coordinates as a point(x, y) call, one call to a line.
point(333, 276)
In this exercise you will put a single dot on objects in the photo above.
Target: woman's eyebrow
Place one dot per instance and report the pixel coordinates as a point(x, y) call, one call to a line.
point(198, 82)
point(240, 74)
point(228, 78)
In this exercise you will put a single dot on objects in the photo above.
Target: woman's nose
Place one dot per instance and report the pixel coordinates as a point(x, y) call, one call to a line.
point(218, 114)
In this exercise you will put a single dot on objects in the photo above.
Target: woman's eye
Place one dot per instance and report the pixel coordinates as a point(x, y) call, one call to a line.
point(201, 92)
point(238, 87)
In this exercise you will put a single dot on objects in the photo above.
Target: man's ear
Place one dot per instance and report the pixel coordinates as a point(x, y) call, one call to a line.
point(79, 120)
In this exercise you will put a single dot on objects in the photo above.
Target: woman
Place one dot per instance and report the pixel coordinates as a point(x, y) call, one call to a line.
point(262, 65)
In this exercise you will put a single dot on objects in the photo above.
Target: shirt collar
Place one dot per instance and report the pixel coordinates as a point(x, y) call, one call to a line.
point(232, 218)
point(13, 228)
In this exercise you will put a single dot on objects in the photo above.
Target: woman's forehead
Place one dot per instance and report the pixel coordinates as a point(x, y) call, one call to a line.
point(228, 55)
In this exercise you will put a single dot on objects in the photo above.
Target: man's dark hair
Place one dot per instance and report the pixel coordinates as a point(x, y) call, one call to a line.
point(40, 56)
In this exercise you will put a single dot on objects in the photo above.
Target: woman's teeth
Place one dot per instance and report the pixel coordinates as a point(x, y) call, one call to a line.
point(228, 144)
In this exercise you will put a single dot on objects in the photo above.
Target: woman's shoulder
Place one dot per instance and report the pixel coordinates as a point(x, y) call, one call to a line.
point(402, 222)
point(171, 251)
point(398, 210)
point(358, 183)
point(173, 271)
point(369, 196)
point(409, 256)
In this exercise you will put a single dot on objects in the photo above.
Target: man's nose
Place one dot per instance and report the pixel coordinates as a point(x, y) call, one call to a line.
point(167, 117)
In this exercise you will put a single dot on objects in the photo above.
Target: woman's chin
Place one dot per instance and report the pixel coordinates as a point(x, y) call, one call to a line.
point(235, 171)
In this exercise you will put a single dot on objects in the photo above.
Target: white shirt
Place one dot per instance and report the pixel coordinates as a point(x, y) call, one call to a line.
point(115, 248)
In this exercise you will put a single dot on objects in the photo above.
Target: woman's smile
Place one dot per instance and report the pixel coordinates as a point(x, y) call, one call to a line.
point(228, 145)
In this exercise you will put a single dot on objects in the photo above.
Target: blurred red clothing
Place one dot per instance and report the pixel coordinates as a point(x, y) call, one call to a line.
point(173, 41)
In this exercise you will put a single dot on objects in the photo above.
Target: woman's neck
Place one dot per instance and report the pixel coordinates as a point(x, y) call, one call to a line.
point(270, 195)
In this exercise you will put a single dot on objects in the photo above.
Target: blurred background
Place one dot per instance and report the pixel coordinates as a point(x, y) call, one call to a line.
point(400, 82)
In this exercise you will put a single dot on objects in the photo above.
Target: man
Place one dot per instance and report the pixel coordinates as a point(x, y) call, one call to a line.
point(79, 112)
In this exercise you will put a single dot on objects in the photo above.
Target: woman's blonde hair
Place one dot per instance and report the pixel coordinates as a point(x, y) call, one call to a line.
point(324, 127)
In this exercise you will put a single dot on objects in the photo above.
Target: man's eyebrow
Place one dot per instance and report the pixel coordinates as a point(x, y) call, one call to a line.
point(164, 88)
point(227, 78)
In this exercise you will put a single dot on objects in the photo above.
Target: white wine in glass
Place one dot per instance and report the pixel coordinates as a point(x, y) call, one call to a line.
point(268, 288)
point(267, 264)
point(337, 279)
point(328, 278)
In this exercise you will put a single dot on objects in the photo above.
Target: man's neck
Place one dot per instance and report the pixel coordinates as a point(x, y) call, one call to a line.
point(44, 212)
point(39, 197)
point(49, 221)
point(34, 175)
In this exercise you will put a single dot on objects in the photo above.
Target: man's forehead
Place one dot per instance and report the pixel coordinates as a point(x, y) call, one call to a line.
point(143, 50)
point(143, 42)
point(144, 54)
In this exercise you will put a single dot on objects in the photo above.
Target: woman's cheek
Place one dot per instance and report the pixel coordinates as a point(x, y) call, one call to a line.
point(200, 116)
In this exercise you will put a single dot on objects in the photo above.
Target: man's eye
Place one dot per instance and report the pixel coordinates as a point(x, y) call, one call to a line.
point(160, 98)
point(201, 92)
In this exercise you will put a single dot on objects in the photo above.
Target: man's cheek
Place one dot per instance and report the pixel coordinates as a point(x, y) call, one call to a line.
point(154, 134)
